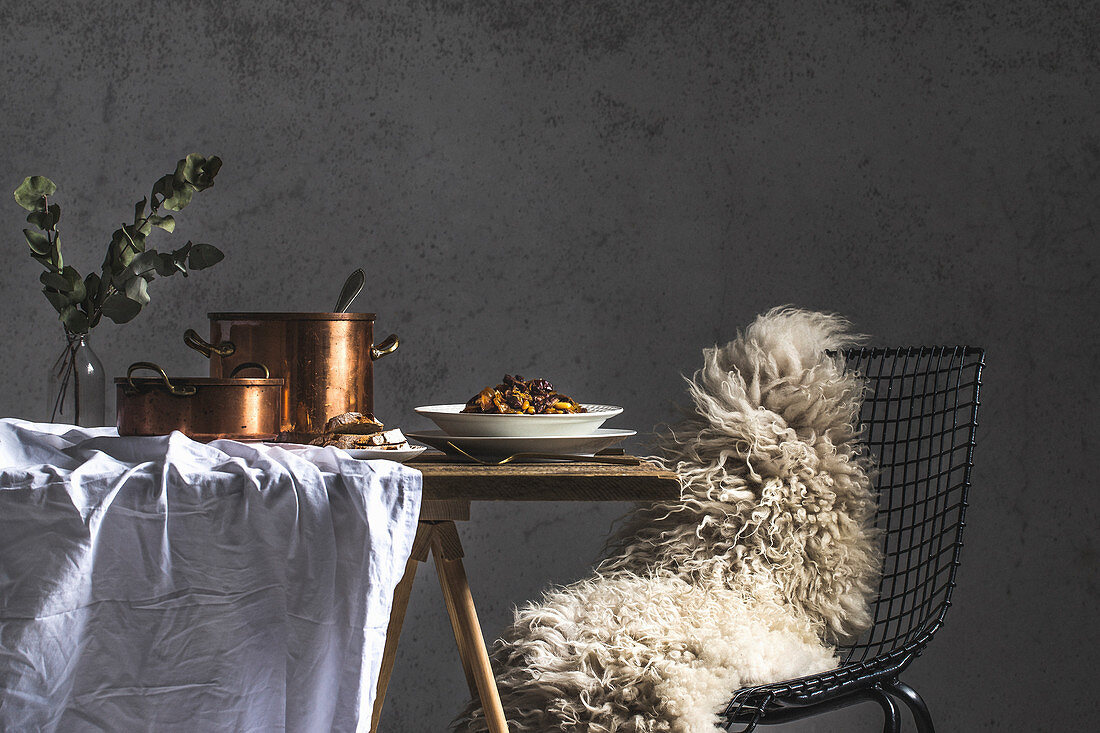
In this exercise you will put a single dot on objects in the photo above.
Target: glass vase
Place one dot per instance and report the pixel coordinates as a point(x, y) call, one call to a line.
point(77, 387)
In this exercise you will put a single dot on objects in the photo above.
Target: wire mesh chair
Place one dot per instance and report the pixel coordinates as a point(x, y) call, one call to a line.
point(919, 420)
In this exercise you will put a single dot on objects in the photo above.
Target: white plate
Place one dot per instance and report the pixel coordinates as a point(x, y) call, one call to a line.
point(453, 421)
point(375, 454)
point(366, 454)
point(480, 445)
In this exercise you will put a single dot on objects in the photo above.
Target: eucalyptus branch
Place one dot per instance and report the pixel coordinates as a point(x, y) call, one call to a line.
point(121, 290)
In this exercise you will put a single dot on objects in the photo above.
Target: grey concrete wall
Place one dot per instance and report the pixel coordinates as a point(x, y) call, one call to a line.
point(594, 191)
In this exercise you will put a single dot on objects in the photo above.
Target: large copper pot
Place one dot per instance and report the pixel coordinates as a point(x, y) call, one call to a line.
point(325, 359)
point(200, 407)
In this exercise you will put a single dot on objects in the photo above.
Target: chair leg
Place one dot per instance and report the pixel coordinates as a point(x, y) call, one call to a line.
point(891, 712)
point(915, 703)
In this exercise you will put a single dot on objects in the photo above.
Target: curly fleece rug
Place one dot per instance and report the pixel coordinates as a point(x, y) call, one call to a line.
point(767, 560)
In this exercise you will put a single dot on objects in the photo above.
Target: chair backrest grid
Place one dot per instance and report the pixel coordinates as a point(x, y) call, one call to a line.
point(922, 505)
point(914, 483)
point(926, 606)
point(897, 524)
point(918, 427)
point(910, 525)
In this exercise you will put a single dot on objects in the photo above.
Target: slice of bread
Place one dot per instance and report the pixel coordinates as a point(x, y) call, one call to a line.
point(388, 437)
point(350, 441)
point(354, 423)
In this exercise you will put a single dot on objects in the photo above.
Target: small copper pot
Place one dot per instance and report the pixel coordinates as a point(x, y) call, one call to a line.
point(200, 407)
point(326, 359)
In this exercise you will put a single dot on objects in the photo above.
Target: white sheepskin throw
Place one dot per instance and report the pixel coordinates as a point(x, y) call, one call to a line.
point(767, 559)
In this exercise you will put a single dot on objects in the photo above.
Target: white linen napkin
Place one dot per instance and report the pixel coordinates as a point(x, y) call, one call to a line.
point(163, 584)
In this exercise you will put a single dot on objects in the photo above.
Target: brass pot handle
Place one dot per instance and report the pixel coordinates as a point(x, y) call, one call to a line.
point(204, 347)
point(250, 365)
point(185, 391)
point(386, 347)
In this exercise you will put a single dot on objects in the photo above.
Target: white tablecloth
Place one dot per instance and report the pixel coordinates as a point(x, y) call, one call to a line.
point(163, 584)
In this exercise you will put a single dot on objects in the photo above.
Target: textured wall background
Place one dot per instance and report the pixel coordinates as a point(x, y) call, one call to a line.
point(593, 191)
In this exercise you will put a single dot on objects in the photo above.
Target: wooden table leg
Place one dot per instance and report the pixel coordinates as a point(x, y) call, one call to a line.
point(447, 551)
point(436, 533)
point(420, 548)
point(393, 634)
point(464, 653)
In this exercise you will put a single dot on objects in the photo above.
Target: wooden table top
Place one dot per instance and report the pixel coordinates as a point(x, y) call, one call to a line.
point(447, 479)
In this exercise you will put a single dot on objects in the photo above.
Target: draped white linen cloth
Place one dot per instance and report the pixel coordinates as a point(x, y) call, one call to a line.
point(163, 584)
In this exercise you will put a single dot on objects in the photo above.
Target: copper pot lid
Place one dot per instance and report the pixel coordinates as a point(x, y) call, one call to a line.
point(204, 381)
point(187, 386)
point(270, 316)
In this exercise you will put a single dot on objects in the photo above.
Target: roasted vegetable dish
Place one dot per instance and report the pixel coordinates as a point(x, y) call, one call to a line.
point(515, 396)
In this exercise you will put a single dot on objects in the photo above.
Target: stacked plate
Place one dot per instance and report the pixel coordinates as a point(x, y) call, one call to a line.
point(504, 435)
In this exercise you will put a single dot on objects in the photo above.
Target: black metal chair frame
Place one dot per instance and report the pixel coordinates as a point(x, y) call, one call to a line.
point(919, 421)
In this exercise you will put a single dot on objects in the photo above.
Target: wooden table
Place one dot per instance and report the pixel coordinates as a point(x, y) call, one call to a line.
point(449, 487)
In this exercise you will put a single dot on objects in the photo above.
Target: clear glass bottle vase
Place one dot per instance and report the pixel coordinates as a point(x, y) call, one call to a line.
point(76, 387)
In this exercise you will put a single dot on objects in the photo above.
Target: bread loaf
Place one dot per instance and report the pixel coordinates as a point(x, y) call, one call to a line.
point(353, 423)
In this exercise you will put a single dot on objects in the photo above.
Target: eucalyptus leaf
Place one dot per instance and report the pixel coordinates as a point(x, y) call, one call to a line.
point(55, 253)
point(120, 309)
point(137, 290)
point(181, 196)
point(167, 223)
point(39, 243)
point(144, 261)
point(198, 170)
point(119, 254)
point(54, 280)
point(91, 288)
point(164, 187)
point(209, 170)
point(179, 257)
point(202, 256)
point(60, 301)
point(139, 209)
point(124, 258)
point(142, 266)
point(181, 254)
point(167, 265)
point(104, 288)
point(126, 243)
point(32, 189)
point(74, 320)
point(74, 283)
point(179, 177)
point(45, 219)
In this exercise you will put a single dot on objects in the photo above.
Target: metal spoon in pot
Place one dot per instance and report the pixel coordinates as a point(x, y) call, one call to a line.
point(351, 288)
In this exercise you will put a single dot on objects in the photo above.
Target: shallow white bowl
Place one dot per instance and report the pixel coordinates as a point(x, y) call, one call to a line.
point(453, 421)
